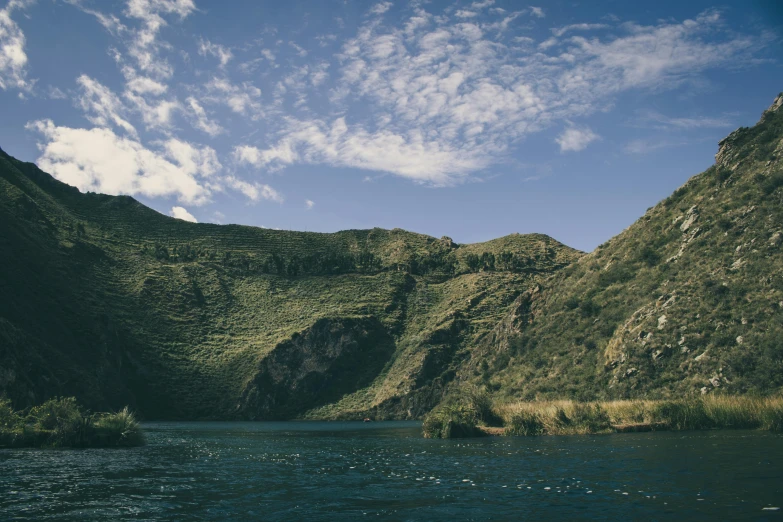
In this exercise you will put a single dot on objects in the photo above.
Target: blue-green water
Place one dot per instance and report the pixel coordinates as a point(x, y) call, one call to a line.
point(345, 471)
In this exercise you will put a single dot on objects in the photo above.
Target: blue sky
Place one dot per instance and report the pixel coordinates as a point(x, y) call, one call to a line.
point(468, 119)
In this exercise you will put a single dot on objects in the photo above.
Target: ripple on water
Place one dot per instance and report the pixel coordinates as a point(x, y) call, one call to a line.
point(212, 471)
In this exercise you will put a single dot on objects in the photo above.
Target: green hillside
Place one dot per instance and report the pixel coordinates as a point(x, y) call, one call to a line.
point(110, 301)
point(686, 301)
point(105, 299)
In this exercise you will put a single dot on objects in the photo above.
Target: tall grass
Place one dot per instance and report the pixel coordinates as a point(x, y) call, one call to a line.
point(714, 412)
point(60, 423)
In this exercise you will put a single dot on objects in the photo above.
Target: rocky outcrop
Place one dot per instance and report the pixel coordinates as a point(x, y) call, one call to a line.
point(332, 358)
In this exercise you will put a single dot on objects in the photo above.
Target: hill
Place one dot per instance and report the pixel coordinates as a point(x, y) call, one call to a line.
point(686, 301)
point(112, 302)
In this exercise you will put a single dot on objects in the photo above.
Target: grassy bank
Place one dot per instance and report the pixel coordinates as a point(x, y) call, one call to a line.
point(471, 416)
point(61, 423)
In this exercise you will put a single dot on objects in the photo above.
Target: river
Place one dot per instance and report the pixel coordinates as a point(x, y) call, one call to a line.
point(386, 470)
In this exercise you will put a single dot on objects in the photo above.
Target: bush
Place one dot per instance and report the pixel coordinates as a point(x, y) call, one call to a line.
point(450, 422)
point(60, 422)
point(481, 404)
point(9, 419)
point(55, 413)
point(119, 429)
point(525, 423)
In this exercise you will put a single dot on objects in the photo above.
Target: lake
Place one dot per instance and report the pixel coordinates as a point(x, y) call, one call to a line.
point(386, 470)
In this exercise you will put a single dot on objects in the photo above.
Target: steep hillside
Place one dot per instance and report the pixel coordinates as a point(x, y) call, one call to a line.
point(105, 299)
point(688, 300)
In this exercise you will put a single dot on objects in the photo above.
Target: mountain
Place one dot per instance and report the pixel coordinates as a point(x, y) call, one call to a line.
point(687, 300)
point(105, 299)
point(110, 301)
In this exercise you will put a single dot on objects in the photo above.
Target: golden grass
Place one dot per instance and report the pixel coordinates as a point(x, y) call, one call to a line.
point(572, 418)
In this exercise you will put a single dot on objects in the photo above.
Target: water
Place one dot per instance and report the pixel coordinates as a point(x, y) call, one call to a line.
point(347, 471)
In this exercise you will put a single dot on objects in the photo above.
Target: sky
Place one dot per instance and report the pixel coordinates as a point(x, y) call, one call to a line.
point(471, 119)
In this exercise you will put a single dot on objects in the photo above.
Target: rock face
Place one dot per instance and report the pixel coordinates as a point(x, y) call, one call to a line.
point(333, 358)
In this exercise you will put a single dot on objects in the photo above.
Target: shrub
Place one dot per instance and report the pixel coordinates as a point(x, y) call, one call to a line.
point(481, 404)
point(9, 419)
point(60, 422)
point(119, 429)
point(525, 423)
point(451, 421)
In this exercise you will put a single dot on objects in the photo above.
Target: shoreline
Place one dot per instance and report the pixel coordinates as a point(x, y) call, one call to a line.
point(477, 415)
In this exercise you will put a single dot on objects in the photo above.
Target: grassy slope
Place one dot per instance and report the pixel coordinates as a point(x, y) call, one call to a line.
point(687, 300)
point(110, 301)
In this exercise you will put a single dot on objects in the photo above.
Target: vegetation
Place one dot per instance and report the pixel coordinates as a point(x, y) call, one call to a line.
point(61, 423)
point(463, 417)
point(581, 418)
point(688, 300)
point(111, 302)
point(709, 412)
point(116, 304)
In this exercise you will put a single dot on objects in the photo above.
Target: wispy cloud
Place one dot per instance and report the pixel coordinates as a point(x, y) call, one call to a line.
point(646, 146)
point(13, 58)
point(661, 121)
point(380, 8)
point(102, 106)
point(448, 97)
point(223, 54)
point(309, 204)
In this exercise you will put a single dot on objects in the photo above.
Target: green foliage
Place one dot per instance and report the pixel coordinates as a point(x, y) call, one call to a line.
point(119, 429)
point(685, 301)
point(525, 423)
point(451, 421)
point(61, 423)
point(10, 420)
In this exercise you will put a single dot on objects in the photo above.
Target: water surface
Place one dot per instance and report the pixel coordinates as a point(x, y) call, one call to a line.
point(385, 470)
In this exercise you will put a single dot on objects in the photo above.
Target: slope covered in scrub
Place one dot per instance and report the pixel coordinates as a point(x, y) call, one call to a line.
point(112, 302)
point(688, 300)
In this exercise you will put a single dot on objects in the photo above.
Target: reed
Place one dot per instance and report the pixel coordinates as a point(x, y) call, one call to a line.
point(712, 412)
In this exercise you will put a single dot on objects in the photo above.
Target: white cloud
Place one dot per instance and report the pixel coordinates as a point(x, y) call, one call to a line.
point(380, 8)
point(156, 115)
point(436, 100)
point(144, 46)
point(309, 204)
point(241, 99)
point(268, 54)
point(560, 31)
point(223, 54)
point(254, 191)
point(200, 119)
point(55, 93)
point(410, 156)
point(575, 139)
point(181, 213)
point(643, 146)
point(300, 51)
point(102, 106)
point(142, 85)
point(13, 58)
point(537, 12)
point(99, 160)
point(665, 122)
point(464, 13)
